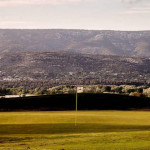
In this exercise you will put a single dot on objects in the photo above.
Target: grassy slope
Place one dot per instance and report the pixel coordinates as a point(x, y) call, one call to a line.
point(56, 130)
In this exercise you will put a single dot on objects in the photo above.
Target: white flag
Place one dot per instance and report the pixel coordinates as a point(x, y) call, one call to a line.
point(79, 89)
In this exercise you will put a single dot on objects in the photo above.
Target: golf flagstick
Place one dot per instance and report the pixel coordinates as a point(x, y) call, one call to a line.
point(76, 107)
point(78, 90)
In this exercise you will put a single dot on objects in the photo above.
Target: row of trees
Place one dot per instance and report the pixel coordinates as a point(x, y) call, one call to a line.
point(131, 90)
point(22, 91)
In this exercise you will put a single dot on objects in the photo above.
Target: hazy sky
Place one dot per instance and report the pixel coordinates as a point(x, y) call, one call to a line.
point(76, 14)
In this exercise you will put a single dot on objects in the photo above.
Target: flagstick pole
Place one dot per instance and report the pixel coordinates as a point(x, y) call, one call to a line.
point(76, 108)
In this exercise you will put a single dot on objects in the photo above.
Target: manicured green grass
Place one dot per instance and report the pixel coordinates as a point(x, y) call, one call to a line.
point(95, 130)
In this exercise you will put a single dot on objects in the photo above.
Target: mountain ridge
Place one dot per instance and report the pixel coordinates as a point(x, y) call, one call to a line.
point(101, 42)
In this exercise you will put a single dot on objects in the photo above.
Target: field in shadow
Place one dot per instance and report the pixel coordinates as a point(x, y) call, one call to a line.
point(67, 102)
point(66, 128)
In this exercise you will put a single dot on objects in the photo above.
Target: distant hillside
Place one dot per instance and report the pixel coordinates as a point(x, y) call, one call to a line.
point(82, 41)
point(66, 66)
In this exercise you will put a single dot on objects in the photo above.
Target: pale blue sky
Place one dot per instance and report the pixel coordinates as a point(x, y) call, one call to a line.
point(76, 14)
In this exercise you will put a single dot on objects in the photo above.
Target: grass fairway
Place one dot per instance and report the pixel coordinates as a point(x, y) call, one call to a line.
point(96, 130)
